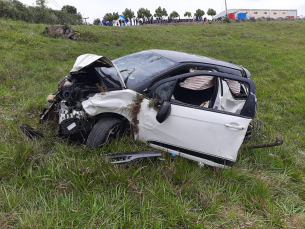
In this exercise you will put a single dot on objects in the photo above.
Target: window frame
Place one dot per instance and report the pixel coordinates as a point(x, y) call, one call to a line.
point(209, 67)
point(248, 110)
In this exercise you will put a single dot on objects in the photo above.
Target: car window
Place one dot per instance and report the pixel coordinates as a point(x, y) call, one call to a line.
point(209, 92)
point(138, 67)
point(195, 90)
point(231, 96)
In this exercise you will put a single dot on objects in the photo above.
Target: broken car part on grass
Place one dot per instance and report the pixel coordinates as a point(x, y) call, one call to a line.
point(277, 142)
point(30, 131)
point(61, 31)
point(202, 106)
point(122, 158)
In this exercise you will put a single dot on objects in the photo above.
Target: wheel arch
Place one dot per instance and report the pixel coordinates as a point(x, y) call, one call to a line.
point(125, 119)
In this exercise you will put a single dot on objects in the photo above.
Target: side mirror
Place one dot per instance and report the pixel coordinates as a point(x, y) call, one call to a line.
point(164, 111)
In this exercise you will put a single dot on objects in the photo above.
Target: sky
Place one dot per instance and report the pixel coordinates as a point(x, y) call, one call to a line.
point(98, 8)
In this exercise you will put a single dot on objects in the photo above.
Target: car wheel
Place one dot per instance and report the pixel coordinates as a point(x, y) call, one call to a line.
point(105, 129)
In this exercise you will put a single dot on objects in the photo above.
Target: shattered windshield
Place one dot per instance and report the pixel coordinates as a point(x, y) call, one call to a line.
point(138, 67)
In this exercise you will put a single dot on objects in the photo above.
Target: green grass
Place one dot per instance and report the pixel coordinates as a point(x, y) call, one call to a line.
point(52, 183)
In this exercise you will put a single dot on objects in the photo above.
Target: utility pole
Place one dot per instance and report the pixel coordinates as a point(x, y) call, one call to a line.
point(85, 19)
point(226, 9)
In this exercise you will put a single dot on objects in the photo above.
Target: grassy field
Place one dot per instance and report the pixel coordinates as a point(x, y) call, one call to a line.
point(52, 183)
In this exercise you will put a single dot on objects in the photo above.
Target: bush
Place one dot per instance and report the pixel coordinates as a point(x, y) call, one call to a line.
point(226, 20)
point(97, 21)
point(15, 10)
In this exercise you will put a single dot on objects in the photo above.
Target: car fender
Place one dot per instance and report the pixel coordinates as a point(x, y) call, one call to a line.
point(110, 102)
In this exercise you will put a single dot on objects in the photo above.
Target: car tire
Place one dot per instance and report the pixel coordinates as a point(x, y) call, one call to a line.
point(105, 129)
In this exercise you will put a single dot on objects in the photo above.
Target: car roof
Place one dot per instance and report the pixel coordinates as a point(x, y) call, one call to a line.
point(183, 57)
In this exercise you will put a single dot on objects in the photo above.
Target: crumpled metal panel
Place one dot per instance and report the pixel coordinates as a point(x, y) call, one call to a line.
point(114, 102)
point(227, 101)
point(88, 59)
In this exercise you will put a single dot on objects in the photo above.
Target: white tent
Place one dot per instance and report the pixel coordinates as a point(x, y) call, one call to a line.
point(223, 13)
point(122, 18)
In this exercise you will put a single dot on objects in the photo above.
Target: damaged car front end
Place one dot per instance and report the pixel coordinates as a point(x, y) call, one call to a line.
point(193, 106)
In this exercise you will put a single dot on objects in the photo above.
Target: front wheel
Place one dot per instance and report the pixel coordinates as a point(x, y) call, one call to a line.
point(105, 129)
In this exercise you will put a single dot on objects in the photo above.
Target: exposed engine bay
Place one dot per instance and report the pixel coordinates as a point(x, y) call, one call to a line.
point(66, 108)
point(84, 81)
point(66, 104)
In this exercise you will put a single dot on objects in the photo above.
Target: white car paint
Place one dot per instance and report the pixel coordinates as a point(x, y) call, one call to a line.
point(197, 130)
point(200, 131)
point(87, 59)
point(110, 102)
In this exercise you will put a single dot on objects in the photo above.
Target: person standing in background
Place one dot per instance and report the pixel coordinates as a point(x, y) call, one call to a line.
point(104, 21)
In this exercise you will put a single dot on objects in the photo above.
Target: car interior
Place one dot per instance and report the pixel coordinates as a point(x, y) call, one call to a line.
point(194, 97)
point(202, 91)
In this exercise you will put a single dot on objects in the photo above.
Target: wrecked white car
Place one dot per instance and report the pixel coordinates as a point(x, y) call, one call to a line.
point(193, 106)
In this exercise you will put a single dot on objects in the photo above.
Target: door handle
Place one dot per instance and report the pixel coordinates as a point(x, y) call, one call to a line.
point(235, 127)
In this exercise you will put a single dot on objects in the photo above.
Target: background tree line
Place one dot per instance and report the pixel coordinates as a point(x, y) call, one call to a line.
point(159, 12)
point(40, 13)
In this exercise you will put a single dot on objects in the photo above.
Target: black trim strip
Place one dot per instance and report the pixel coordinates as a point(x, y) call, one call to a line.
point(220, 82)
point(196, 154)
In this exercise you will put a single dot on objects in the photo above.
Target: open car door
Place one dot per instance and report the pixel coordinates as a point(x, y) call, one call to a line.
point(209, 117)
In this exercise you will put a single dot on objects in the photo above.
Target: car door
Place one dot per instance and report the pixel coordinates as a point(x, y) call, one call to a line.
point(211, 132)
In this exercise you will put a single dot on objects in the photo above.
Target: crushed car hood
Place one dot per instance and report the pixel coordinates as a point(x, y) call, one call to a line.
point(87, 59)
